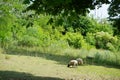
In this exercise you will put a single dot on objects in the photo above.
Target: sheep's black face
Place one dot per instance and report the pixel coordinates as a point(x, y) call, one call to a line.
point(68, 65)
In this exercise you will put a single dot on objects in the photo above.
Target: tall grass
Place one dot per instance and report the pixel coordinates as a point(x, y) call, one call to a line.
point(63, 55)
point(107, 58)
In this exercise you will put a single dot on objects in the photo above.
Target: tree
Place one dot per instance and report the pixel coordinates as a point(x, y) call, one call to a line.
point(114, 14)
point(6, 21)
point(9, 14)
point(64, 6)
point(65, 12)
point(114, 9)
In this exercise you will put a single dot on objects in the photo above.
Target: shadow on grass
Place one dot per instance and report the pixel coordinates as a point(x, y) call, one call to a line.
point(61, 59)
point(12, 75)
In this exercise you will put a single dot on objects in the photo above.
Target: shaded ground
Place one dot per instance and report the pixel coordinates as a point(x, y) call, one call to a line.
point(12, 75)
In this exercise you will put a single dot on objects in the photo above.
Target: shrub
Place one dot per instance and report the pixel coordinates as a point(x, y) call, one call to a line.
point(29, 41)
point(90, 38)
point(32, 36)
point(105, 40)
point(75, 39)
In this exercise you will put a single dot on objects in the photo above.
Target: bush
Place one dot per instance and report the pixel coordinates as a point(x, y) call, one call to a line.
point(105, 27)
point(90, 38)
point(32, 36)
point(105, 40)
point(29, 41)
point(75, 39)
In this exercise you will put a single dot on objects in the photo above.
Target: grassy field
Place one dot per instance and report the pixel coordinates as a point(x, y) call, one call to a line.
point(23, 65)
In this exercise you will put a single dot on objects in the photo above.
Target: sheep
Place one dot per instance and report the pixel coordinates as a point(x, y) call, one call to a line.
point(73, 63)
point(80, 61)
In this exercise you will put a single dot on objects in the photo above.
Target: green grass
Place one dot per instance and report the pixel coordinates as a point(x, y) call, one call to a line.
point(31, 64)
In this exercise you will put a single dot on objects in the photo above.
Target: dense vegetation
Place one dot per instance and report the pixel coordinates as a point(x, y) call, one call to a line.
point(24, 25)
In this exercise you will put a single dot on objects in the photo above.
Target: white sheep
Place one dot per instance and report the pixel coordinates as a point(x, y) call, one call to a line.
point(73, 63)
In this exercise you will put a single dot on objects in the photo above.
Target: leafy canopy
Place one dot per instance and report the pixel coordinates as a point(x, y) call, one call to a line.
point(114, 9)
point(114, 14)
point(64, 6)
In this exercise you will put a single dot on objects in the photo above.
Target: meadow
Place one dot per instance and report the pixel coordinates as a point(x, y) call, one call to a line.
point(23, 63)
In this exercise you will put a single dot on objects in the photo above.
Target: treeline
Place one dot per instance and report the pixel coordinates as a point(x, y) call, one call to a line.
point(26, 28)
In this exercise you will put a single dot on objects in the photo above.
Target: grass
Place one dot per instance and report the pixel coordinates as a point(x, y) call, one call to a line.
point(31, 64)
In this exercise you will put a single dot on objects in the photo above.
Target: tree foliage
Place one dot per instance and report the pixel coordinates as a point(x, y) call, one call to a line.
point(63, 26)
point(9, 15)
point(64, 6)
point(114, 9)
point(114, 14)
